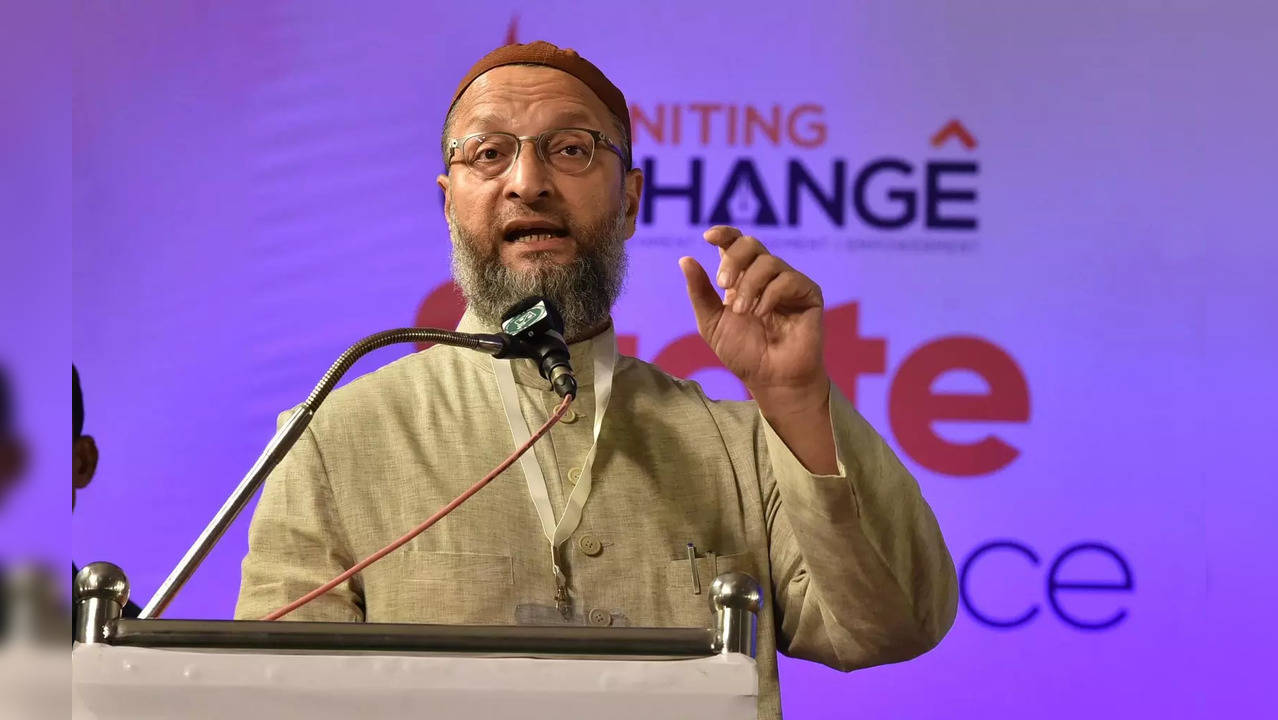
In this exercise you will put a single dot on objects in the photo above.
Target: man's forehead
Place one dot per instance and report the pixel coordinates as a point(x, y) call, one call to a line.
point(512, 94)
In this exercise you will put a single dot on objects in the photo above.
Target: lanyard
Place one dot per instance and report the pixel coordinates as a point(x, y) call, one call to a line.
point(605, 360)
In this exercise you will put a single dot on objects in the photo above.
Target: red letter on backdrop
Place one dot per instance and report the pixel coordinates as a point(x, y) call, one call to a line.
point(913, 407)
point(628, 345)
point(442, 308)
point(847, 354)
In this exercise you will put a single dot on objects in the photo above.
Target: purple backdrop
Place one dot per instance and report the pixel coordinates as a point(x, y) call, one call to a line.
point(1038, 229)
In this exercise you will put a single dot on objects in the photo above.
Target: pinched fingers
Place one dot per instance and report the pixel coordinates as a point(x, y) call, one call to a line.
point(755, 280)
point(735, 258)
point(760, 274)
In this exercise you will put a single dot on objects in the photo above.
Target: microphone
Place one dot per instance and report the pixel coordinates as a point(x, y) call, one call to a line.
point(536, 324)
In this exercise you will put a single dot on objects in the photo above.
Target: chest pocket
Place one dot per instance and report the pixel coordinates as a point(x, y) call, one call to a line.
point(438, 587)
point(687, 608)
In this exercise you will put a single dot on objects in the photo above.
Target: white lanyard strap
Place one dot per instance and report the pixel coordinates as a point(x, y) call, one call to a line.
point(605, 361)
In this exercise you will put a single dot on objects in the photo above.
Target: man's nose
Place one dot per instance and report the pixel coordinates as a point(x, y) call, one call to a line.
point(529, 179)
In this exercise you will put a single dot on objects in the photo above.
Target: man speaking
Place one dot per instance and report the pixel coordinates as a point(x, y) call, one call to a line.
point(646, 489)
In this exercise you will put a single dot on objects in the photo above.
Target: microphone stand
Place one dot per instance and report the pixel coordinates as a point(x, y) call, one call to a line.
point(500, 345)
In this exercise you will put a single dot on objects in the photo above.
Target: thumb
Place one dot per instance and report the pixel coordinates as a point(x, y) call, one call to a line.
point(707, 306)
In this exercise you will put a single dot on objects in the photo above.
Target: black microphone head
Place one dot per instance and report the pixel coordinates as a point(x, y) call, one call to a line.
point(532, 316)
point(536, 323)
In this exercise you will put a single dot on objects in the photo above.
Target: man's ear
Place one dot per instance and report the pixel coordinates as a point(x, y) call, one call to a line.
point(84, 461)
point(633, 187)
point(442, 182)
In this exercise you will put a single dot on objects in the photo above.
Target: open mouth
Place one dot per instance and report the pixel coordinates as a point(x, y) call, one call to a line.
point(535, 234)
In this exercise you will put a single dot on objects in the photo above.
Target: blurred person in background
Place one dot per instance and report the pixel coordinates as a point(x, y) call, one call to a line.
point(12, 463)
point(13, 451)
point(31, 605)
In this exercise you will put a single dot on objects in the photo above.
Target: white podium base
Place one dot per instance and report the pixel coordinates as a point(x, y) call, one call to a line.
point(122, 682)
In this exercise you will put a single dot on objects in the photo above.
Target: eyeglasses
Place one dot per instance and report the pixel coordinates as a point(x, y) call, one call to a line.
point(567, 150)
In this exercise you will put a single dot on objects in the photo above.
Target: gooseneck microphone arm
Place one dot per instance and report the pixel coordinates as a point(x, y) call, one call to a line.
point(497, 345)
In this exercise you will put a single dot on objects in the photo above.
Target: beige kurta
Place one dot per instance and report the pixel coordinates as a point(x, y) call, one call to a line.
point(854, 567)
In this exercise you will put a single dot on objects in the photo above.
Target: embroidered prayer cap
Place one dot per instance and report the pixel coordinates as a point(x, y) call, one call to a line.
point(565, 59)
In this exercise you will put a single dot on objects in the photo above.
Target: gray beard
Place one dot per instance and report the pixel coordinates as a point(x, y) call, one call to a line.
point(584, 290)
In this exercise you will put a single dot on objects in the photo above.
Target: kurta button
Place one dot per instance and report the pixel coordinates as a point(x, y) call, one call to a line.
point(574, 475)
point(600, 617)
point(589, 545)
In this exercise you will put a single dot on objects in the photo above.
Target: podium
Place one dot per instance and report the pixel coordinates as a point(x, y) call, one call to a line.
point(129, 668)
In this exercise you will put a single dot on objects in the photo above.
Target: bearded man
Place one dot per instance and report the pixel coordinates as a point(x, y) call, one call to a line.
point(793, 488)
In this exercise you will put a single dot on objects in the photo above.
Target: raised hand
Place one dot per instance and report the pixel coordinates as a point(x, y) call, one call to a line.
point(767, 328)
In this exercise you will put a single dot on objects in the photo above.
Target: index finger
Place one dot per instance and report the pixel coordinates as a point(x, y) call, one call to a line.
point(721, 235)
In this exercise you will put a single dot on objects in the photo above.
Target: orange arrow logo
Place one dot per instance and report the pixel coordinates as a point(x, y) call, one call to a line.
point(954, 128)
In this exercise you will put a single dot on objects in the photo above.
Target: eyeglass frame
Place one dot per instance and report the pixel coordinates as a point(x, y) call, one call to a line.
point(455, 144)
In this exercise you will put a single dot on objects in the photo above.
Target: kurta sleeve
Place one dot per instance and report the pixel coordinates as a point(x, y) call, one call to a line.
point(296, 544)
point(861, 573)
